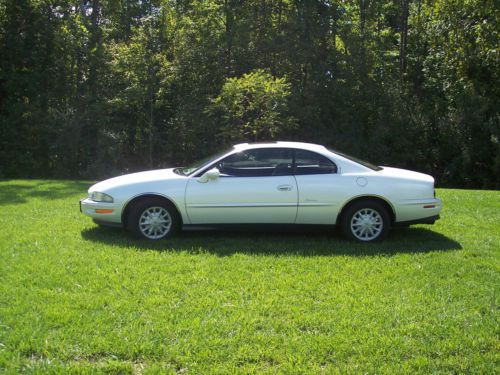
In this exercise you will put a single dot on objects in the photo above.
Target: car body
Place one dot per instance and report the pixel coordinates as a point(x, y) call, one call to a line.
point(289, 183)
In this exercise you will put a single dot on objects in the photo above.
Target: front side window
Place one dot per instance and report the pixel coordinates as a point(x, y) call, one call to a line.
point(258, 163)
point(308, 162)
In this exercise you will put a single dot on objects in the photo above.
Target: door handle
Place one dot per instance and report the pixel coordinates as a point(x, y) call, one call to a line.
point(285, 187)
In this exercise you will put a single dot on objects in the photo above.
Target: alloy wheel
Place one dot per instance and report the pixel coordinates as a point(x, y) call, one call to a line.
point(366, 224)
point(155, 222)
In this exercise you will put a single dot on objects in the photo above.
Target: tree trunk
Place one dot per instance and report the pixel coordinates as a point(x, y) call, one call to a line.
point(94, 47)
point(228, 10)
point(404, 37)
point(362, 26)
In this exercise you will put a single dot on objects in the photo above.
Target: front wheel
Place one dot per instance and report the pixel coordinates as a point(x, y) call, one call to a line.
point(153, 219)
point(366, 221)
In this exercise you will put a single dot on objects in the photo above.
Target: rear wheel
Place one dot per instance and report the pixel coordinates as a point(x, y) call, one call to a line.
point(153, 219)
point(366, 221)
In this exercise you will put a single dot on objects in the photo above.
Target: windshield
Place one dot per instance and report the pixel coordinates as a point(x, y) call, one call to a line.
point(359, 161)
point(193, 167)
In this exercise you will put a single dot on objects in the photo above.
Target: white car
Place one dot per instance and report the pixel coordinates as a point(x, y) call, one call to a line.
point(267, 183)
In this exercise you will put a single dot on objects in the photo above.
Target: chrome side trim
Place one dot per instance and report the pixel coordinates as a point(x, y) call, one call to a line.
point(236, 205)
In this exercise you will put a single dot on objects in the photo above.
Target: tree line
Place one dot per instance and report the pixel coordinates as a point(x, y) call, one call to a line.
point(94, 88)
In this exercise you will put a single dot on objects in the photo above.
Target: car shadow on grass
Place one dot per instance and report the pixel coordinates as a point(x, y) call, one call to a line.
point(298, 243)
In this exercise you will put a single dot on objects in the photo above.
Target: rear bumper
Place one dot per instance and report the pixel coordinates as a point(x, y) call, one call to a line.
point(418, 210)
point(425, 220)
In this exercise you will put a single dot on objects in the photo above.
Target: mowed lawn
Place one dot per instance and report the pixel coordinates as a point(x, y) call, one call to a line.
point(78, 298)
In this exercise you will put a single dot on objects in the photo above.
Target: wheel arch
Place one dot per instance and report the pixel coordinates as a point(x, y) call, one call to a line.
point(376, 198)
point(144, 196)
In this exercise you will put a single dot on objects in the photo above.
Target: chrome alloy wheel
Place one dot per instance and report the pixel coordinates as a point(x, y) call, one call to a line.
point(367, 224)
point(155, 222)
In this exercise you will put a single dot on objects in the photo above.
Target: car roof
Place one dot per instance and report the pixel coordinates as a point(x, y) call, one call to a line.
point(279, 144)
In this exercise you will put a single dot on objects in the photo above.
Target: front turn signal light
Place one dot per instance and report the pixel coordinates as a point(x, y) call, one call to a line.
point(103, 211)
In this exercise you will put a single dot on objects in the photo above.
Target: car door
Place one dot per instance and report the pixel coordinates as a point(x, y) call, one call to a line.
point(320, 188)
point(254, 186)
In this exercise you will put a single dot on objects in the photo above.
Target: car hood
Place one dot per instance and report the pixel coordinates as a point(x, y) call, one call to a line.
point(135, 178)
point(406, 174)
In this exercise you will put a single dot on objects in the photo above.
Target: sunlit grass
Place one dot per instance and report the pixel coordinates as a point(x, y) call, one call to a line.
point(78, 298)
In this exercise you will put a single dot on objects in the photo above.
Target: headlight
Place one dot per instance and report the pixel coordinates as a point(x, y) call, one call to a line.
point(100, 197)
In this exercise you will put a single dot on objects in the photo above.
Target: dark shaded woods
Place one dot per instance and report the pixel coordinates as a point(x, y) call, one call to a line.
point(90, 89)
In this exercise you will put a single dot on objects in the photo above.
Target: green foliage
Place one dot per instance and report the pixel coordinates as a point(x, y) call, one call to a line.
point(253, 107)
point(77, 298)
point(454, 61)
point(96, 88)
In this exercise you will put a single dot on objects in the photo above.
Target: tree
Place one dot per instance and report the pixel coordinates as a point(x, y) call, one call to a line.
point(253, 107)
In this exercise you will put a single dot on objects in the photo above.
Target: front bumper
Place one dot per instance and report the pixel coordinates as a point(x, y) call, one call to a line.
point(101, 212)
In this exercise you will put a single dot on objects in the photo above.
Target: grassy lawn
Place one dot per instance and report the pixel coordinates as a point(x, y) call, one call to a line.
point(78, 298)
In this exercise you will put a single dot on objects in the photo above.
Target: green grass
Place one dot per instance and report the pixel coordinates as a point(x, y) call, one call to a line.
point(78, 298)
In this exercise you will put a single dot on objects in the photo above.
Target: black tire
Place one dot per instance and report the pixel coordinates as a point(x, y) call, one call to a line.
point(365, 221)
point(164, 220)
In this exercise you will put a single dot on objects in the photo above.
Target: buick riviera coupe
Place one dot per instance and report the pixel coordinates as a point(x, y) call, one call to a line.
point(268, 183)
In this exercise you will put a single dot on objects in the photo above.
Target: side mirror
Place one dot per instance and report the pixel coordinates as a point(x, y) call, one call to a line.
point(212, 174)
